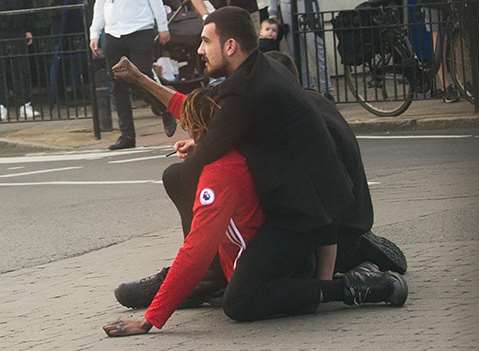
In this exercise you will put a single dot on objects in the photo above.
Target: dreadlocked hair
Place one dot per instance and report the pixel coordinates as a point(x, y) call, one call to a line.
point(198, 111)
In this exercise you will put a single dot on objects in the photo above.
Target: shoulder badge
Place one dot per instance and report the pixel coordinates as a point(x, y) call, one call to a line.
point(207, 196)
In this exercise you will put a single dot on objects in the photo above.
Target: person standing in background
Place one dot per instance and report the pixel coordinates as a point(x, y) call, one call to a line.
point(15, 37)
point(129, 27)
point(204, 7)
point(314, 70)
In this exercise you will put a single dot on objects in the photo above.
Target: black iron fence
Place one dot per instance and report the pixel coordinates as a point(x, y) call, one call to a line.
point(52, 78)
point(384, 53)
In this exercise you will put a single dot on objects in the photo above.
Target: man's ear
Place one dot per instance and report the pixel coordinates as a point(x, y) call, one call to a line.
point(231, 47)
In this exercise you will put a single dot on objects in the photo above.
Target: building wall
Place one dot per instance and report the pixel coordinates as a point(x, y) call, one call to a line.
point(333, 5)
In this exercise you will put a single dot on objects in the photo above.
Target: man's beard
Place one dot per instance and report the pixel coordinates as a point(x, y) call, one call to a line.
point(217, 72)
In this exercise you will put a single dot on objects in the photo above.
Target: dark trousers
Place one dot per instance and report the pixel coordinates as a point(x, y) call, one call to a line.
point(138, 47)
point(14, 72)
point(182, 195)
point(274, 274)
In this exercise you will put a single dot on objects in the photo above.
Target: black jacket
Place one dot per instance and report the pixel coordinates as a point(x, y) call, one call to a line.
point(266, 45)
point(265, 113)
point(13, 26)
point(357, 218)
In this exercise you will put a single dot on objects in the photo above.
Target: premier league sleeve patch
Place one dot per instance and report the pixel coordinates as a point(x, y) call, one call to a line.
point(207, 196)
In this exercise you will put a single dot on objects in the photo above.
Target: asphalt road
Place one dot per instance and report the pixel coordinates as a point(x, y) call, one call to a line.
point(57, 205)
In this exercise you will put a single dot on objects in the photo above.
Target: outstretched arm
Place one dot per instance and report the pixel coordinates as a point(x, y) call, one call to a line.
point(215, 202)
point(127, 71)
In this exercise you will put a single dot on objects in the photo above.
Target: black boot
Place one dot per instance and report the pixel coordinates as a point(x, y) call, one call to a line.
point(123, 142)
point(140, 293)
point(368, 286)
point(169, 124)
point(383, 252)
point(366, 268)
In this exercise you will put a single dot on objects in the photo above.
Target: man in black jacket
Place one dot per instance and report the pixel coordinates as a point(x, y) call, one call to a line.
point(15, 37)
point(302, 184)
point(356, 242)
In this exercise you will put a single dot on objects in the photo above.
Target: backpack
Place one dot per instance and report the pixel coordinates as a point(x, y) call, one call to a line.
point(357, 31)
point(185, 29)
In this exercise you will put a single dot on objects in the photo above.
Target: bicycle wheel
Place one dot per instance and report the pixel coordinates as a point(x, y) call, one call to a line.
point(460, 65)
point(385, 85)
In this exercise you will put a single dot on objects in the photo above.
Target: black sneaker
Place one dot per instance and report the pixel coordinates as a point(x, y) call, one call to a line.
point(383, 252)
point(123, 143)
point(363, 268)
point(140, 293)
point(374, 287)
point(366, 268)
point(451, 94)
point(169, 124)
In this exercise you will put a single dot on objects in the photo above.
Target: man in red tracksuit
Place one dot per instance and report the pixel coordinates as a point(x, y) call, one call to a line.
point(226, 216)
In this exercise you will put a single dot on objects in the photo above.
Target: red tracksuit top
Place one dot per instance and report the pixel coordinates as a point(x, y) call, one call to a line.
point(226, 215)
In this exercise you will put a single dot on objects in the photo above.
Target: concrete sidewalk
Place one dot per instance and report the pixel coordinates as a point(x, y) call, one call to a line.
point(62, 306)
point(78, 134)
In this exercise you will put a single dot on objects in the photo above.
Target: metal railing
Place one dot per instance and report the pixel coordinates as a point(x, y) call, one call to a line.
point(51, 79)
point(384, 54)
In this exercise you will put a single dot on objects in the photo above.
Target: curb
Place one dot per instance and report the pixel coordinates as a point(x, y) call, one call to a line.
point(412, 124)
point(379, 125)
point(16, 146)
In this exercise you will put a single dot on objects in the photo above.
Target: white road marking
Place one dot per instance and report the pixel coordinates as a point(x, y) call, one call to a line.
point(38, 172)
point(67, 157)
point(14, 168)
point(380, 137)
point(99, 182)
point(95, 151)
point(108, 182)
point(138, 159)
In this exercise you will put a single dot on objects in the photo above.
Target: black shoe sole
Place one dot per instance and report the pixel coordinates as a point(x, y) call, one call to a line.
point(383, 252)
point(399, 296)
point(126, 296)
point(169, 125)
point(115, 147)
point(451, 100)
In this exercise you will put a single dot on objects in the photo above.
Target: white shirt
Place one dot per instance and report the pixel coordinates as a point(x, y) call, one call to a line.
point(122, 17)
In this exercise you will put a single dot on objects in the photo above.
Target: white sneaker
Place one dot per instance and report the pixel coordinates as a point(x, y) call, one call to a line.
point(27, 111)
point(3, 113)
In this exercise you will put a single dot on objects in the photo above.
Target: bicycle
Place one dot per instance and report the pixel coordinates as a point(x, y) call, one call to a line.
point(453, 46)
point(383, 73)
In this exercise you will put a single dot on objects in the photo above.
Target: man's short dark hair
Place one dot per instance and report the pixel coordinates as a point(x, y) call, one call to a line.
point(234, 23)
point(286, 60)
